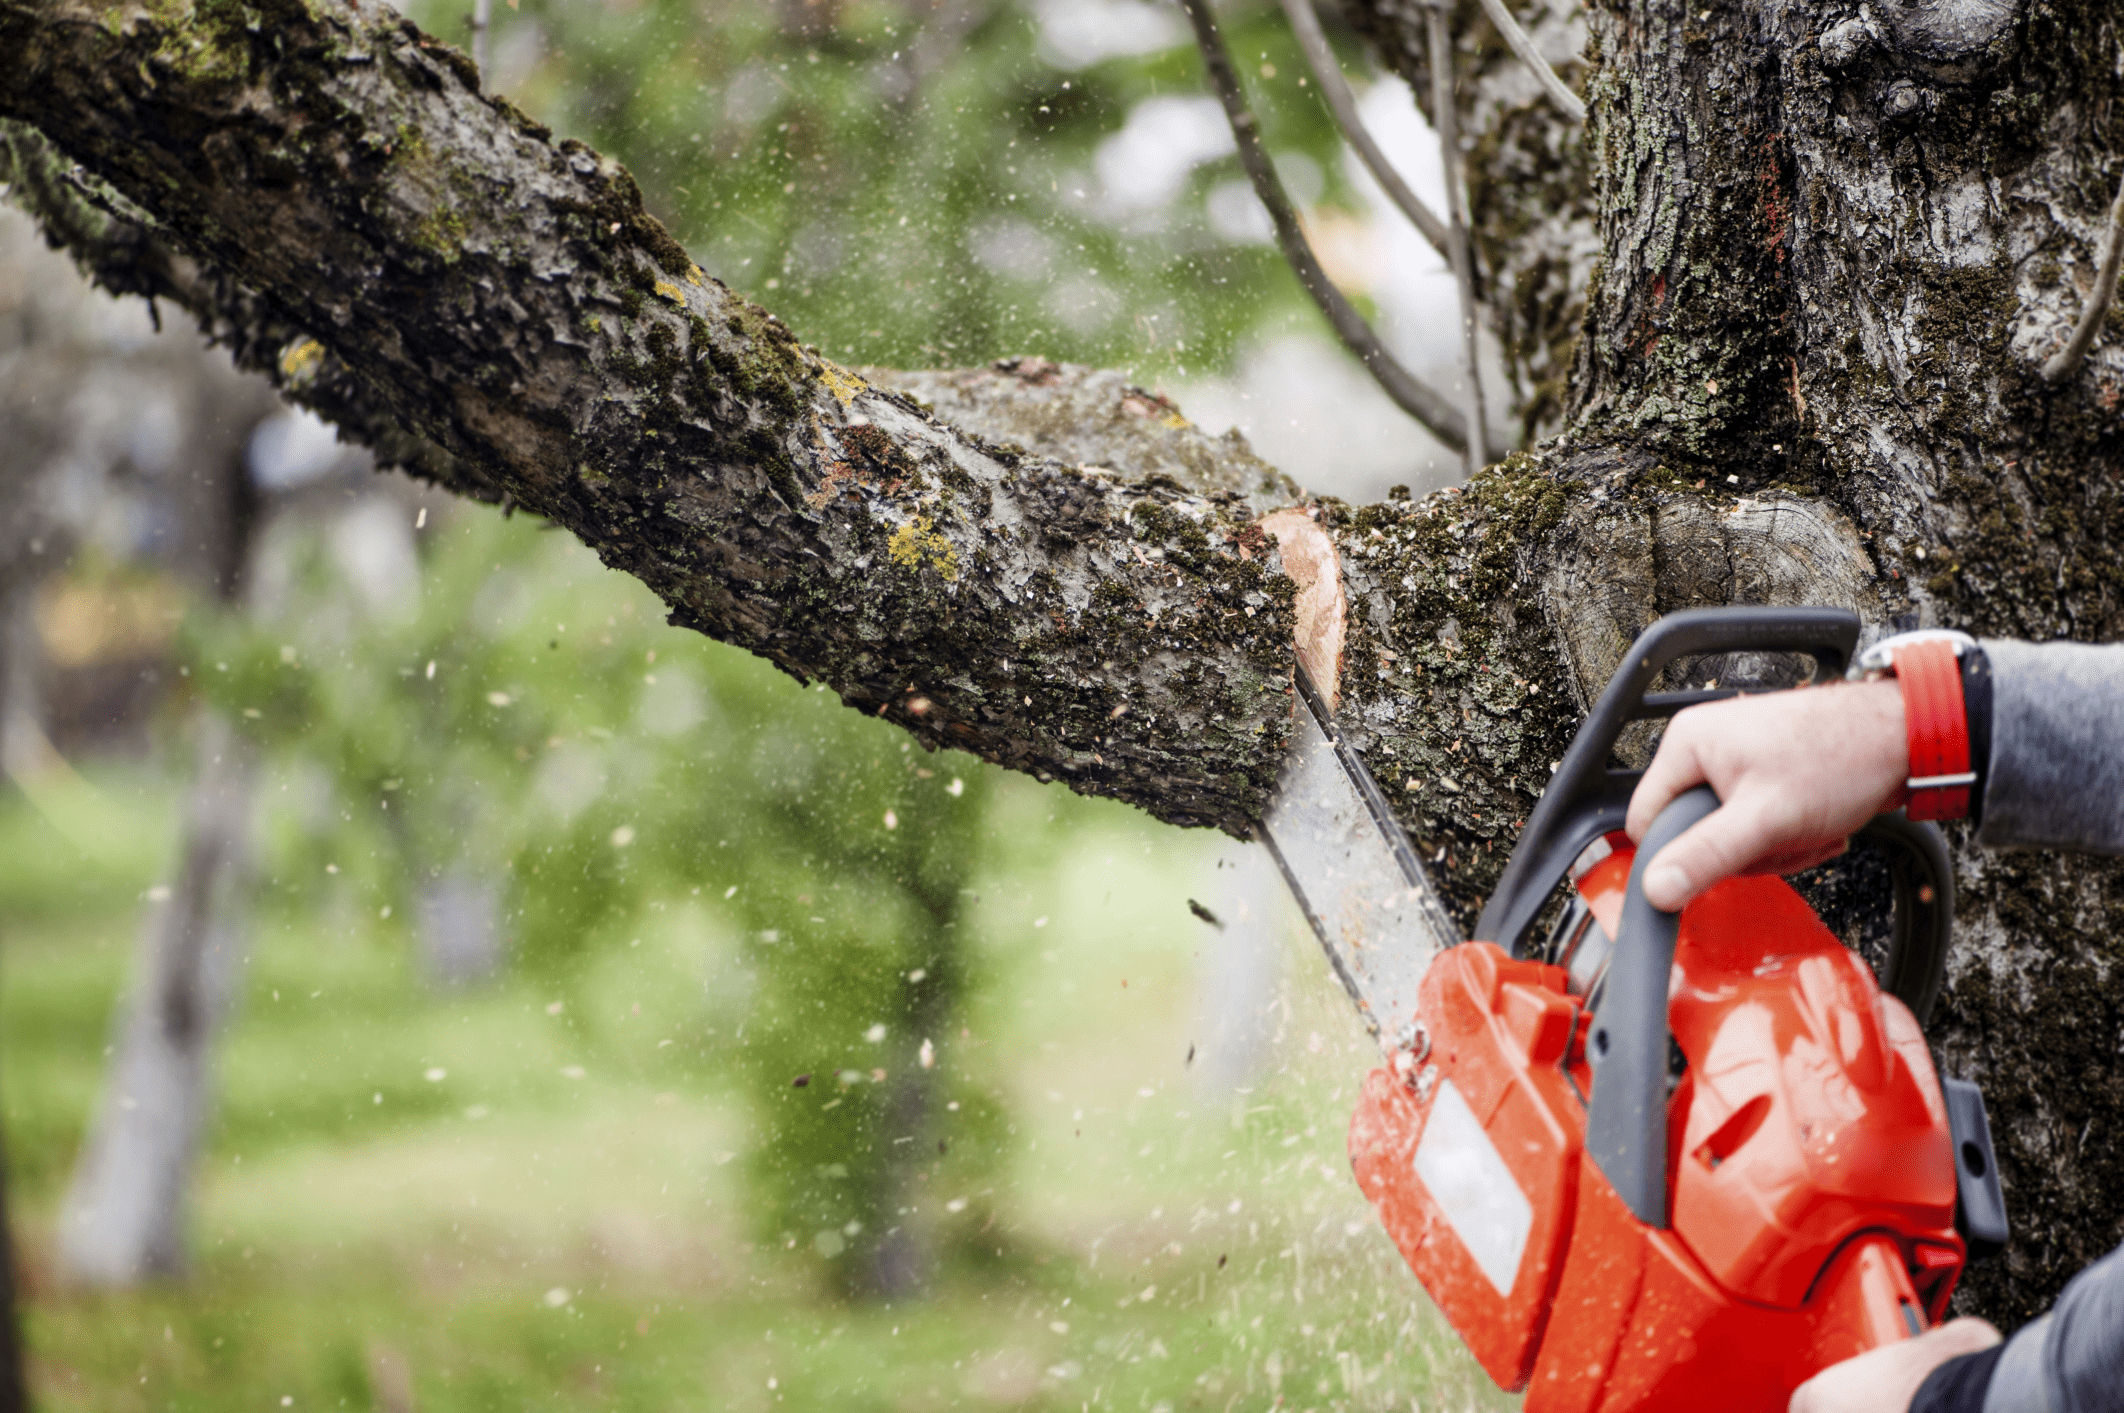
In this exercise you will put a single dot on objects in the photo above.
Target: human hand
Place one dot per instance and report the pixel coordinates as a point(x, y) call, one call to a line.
point(1884, 1380)
point(1796, 774)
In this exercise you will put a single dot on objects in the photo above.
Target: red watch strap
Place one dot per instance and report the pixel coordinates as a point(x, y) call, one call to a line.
point(1938, 727)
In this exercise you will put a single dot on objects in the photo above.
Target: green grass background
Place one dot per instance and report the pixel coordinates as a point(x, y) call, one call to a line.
point(510, 1235)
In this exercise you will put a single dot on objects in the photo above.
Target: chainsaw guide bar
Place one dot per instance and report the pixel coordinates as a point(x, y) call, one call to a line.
point(1354, 872)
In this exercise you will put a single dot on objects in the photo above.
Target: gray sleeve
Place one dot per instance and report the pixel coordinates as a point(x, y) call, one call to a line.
point(2071, 1360)
point(2056, 776)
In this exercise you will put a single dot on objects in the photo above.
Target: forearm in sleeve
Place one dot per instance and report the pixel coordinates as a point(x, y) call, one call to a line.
point(2070, 1361)
point(2055, 777)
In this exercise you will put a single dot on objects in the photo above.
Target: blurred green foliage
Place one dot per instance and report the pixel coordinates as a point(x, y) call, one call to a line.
point(518, 711)
point(905, 184)
point(923, 184)
point(462, 1201)
point(591, 1182)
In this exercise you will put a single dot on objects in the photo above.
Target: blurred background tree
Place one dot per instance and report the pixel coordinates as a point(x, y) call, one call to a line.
point(552, 909)
point(511, 756)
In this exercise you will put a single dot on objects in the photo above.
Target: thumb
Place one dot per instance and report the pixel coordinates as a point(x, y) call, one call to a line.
point(1716, 848)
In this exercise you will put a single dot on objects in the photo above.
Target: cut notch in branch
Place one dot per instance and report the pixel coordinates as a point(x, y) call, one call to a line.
point(1522, 44)
point(1305, 24)
point(1429, 407)
point(2098, 299)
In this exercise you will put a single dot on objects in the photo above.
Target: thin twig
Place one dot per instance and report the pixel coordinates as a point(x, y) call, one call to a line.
point(482, 11)
point(1573, 106)
point(1446, 119)
point(1328, 74)
point(2098, 298)
point(1438, 415)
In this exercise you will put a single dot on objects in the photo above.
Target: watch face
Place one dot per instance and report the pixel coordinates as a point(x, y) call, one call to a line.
point(1879, 659)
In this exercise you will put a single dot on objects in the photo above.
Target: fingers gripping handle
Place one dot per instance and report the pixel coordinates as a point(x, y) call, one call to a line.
point(1586, 799)
point(1626, 1124)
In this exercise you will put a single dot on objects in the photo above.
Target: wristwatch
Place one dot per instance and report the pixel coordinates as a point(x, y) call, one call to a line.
point(1931, 666)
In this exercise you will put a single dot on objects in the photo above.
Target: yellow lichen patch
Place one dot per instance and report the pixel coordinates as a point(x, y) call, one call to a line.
point(843, 384)
point(671, 292)
point(1175, 421)
point(698, 276)
point(917, 543)
point(300, 360)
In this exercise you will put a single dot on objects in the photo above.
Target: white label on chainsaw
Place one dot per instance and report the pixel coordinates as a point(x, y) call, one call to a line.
point(1472, 1186)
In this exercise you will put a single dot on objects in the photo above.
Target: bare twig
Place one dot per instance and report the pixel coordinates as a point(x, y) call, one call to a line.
point(1438, 415)
point(1328, 74)
point(2098, 298)
point(1446, 119)
point(1573, 106)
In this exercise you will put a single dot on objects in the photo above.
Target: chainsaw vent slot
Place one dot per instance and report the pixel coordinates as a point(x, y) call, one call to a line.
point(1735, 1131)
point(1973, 1159)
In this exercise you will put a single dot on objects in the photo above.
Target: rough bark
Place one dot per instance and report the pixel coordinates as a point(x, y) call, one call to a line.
point(1833, 251)
point(576, 359)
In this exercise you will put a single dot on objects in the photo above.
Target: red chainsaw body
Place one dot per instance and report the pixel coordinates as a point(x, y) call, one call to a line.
point(1810, 1169)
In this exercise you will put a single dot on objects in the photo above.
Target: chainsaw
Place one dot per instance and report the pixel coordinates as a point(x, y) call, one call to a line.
point(1644, 1160)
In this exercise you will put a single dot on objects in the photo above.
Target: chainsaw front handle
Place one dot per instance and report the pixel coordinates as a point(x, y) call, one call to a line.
point(1585, 798)
point(1626, 1123)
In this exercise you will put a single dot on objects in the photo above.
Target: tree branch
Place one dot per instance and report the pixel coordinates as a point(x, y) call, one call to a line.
point(510, 303)
point(2099, 298)
point(1572, 106)
point(118, 247)
point(1437, 414)
point(1305, 24)
point(1441, 44)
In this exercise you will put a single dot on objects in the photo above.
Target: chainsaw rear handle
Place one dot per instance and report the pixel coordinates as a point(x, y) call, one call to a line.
point(1922, 876)
point(1586, 799)
point(1626, 1123)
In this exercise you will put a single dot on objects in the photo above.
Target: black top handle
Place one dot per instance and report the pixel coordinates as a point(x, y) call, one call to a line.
point(1586, 799)
point(1626, 1122)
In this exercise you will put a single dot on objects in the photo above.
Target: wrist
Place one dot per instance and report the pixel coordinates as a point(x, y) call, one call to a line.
point(1928, 669)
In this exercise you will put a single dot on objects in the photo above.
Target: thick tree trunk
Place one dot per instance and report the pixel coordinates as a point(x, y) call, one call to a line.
point(1833, 246)
point(1836, 247)
point(123, 1219)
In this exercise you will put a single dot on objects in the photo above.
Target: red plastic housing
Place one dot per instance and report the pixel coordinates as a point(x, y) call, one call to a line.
point(1810, 1168)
